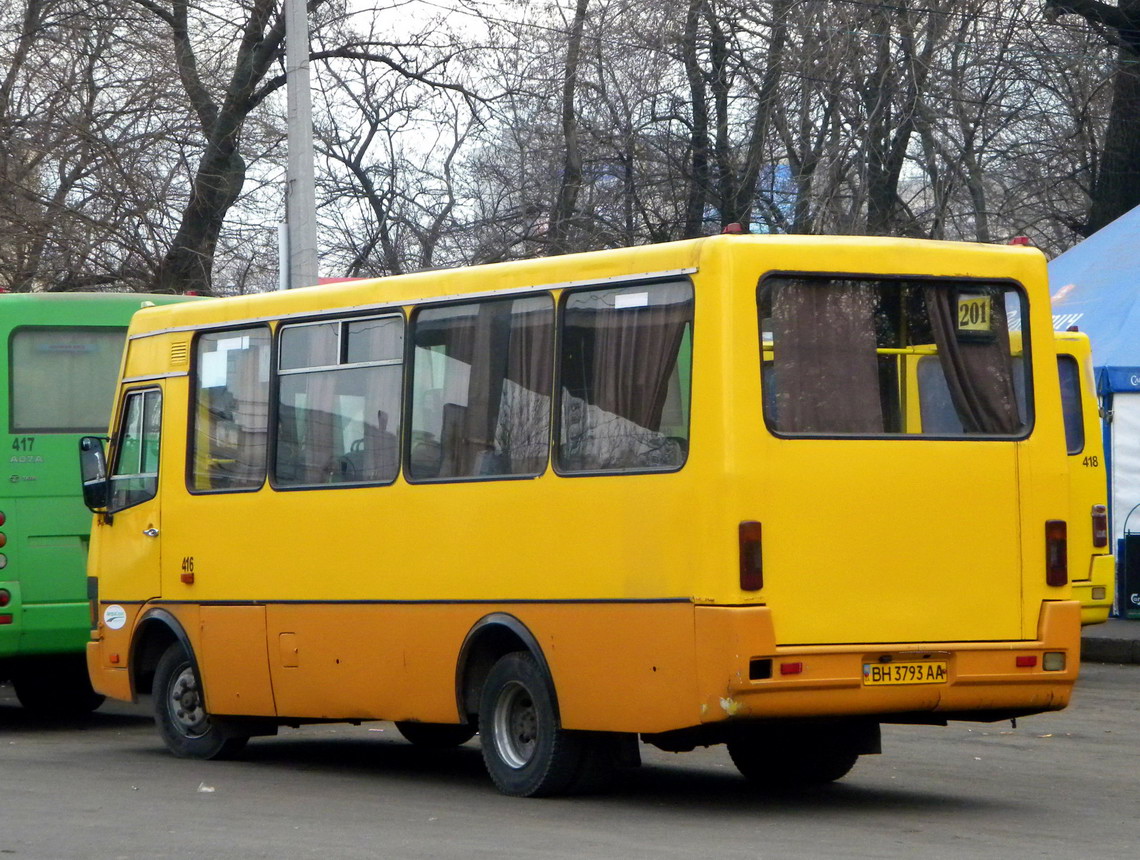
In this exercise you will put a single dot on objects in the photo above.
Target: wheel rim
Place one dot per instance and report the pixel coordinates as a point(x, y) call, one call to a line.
point(185, 704)
point(515, 725)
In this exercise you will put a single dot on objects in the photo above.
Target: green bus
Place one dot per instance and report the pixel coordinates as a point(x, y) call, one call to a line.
point(58, 369)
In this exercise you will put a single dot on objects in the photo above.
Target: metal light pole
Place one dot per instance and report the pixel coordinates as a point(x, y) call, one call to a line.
point(300, 193)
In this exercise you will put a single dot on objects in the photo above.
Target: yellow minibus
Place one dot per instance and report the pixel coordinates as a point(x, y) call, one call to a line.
point(1094, 582)
point(564, 503)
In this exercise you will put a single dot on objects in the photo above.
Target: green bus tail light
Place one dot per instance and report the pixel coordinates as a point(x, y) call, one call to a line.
point(5, 597)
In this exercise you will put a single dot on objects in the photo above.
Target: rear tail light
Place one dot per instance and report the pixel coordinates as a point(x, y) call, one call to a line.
point(1027, 661)
point(751, 557)
point(1100, 525)
point(1056, 553)
point(5, 597)
point(796, 668)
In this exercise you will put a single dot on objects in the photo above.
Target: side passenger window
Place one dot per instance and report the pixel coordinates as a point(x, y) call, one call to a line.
point(339, 390)
point(481, 386)
point(626, 362)
point(134, 477)
point(231, 410)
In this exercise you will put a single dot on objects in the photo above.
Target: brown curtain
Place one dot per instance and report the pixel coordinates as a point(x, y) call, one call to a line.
point(824, 358)
point(251, 412)
point(490, 343)
point(530, 359)
point(979, 372)
point(501, 341)
point(635, 352)
point(523, 432)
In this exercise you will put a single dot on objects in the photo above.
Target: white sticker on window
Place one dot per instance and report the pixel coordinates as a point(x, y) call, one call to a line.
point(114, 616)
point(631, 300)
point(212, 370)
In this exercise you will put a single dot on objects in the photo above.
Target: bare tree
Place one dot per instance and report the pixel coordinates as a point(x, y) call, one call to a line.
point(87, 141)
point(1116, 188)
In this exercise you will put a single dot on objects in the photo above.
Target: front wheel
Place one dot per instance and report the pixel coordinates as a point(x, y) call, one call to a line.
point(180, 711)
point(526, 753)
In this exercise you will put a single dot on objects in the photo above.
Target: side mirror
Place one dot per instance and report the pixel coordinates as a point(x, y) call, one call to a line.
point(93, 472)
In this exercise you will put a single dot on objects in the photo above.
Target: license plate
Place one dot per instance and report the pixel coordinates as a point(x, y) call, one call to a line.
point(890, 674)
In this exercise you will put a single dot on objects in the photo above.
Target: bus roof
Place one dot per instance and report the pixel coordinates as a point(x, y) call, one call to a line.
point(862, 254)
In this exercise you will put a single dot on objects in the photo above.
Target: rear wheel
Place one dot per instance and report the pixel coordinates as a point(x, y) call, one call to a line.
point(180, 712)
point(436, 735)
point(526, 753)
point(56, 686)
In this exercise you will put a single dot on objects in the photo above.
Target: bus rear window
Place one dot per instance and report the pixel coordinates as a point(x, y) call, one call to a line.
point(63, 378)
point(842, 357)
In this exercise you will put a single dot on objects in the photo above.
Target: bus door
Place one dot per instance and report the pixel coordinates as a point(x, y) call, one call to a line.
point(902, 531)
point(131, 543)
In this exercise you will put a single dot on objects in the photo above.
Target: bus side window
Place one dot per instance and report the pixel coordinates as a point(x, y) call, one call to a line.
point(230, 421)
point(626, 370)
point(481, 387)
point(134, 478)
point(338, 393)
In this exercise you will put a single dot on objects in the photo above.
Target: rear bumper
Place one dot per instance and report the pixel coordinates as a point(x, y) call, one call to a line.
point(1095, 594)
point(983, 679)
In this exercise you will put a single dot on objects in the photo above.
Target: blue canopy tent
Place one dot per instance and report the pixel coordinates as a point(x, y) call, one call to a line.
point(1096, 287)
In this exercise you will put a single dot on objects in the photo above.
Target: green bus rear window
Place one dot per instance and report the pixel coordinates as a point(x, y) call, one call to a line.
point(62, 379)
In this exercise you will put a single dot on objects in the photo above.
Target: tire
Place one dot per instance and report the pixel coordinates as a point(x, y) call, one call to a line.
point(525, 751)
point(436, 735)
point(180, 712)
point(56, 687)
point(792, 761)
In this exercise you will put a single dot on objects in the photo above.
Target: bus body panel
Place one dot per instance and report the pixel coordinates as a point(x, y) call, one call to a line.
point(830, 571)
point(620, 667)
point(354, 602)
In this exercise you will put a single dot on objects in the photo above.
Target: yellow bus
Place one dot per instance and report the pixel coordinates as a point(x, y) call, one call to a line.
point(553, 501)
point(1092, 581)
